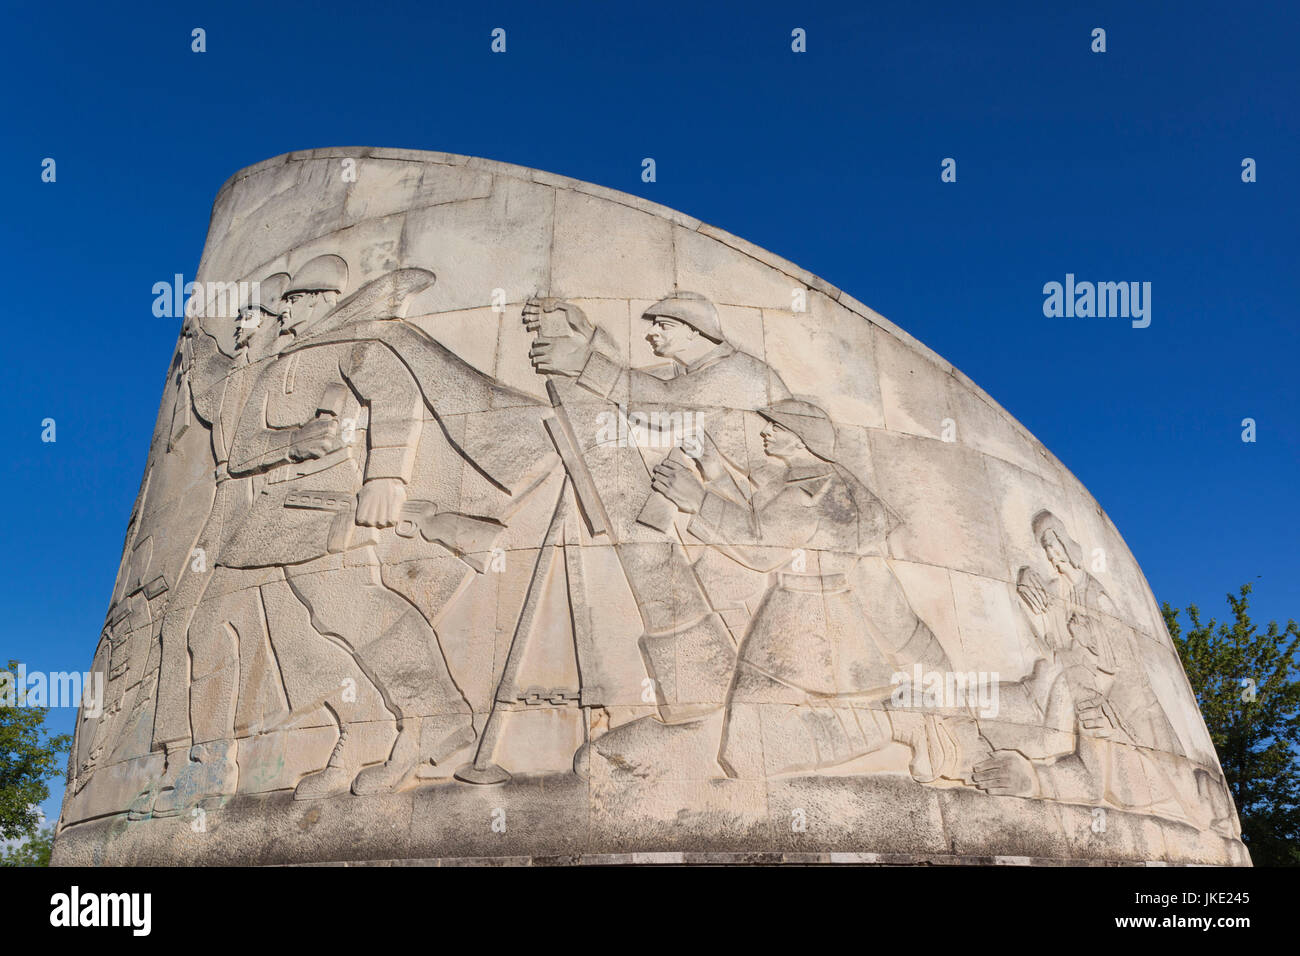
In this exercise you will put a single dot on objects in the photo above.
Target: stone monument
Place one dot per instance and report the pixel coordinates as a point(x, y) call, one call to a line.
point(493, 514)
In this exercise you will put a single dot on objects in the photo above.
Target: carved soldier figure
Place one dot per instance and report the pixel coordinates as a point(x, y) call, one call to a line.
point(329, 437)
point(194, 719)
point(686, 647)
point(814, 667)
point(126, 659)
point(704, 368)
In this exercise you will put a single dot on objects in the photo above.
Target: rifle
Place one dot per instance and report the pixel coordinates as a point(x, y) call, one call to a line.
point(584, 486)
point(465, 536)
point(483, 770)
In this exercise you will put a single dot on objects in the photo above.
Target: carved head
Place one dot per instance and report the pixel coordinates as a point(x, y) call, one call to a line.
point(262, 307)
point(794, 427)
point(683, 326)
point(780, 442)
point(314, 290)
point(670, 338)
point(250, 320)
point(1054, 548)
point(1062, 551)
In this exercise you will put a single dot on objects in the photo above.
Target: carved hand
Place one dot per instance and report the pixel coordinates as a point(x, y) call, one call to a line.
point(703, 452)
point(1095, 716)
point(316, 439)
point(1032, 591)
point(1006, 773)
point(678, 484)
point(533, 309)
point(577, 320)
point(566, 355)
point(380, 502)
point(1081, 630)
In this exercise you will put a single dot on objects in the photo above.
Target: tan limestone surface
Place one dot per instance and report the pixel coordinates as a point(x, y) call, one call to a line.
point(490, 513)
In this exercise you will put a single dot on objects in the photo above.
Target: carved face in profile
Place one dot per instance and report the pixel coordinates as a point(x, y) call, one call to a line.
point(249, 321)
point(669, 337)
point(302, 309)
point(1055, 551)
point(779, 441)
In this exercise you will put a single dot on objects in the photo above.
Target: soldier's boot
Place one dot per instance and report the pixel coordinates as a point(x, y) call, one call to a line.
point(923, 647)
point(335, 778)
point(222, 777)
point(176, 754)
point(408, 670)
point(141, 807)
point(211, 775)
point(936, 744)
point(691, 668)
point(420, 740)
point(446, 735)
point(400, 765)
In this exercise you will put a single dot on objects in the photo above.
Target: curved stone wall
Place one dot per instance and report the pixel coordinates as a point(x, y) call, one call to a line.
point(493, 513)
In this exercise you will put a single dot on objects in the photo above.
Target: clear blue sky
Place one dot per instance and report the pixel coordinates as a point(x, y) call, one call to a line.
point(1122, 166)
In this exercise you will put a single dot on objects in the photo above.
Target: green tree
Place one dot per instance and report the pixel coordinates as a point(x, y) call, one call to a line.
point(1245, 681)
point(29, 757)
point(34, 851)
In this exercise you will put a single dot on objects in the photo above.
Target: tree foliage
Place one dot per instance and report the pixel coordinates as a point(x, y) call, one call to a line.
point(34, 851)
point(29, 757)
point(1245, 681)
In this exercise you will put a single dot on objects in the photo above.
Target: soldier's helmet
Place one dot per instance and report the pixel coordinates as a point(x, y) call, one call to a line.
point(693, 309)
point(810, 423)
point(269, 293)
point(322, 274)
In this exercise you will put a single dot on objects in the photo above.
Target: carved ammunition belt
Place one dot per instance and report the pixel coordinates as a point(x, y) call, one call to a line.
point(318, 500)
point(339, 503)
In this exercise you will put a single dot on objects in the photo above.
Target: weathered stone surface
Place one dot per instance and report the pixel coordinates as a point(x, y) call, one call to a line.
point(526, 521)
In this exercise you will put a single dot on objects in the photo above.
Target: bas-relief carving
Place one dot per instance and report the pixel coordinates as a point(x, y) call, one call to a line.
point(295, 654)
point(1101, 735)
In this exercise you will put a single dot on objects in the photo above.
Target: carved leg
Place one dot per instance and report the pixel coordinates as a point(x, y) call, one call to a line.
point(691, 669)
point(773, 728)
point(336, 777)
point(398, 651)
point(205, 781)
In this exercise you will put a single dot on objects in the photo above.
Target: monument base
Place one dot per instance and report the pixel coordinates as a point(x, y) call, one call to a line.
point(558, 819)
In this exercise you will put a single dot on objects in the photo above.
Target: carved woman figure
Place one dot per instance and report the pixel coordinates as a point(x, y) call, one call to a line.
point(813, 668)
point(1091, 688)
